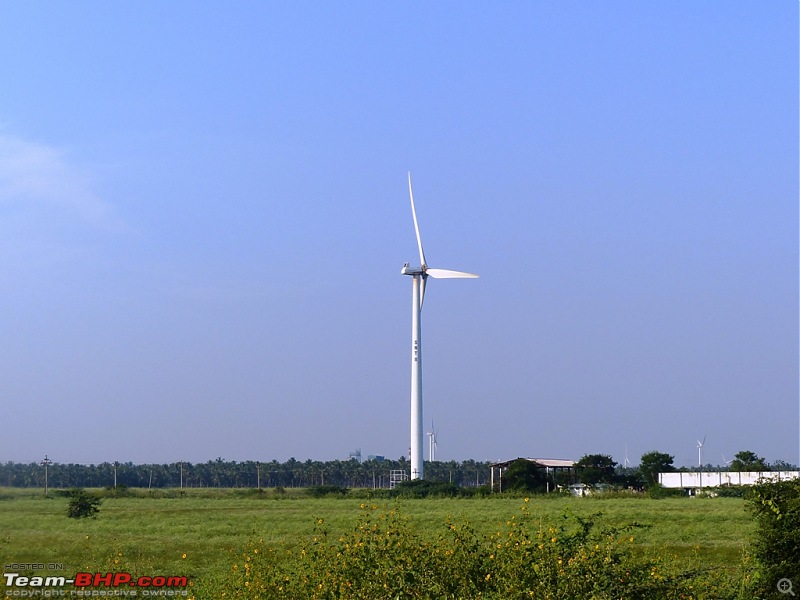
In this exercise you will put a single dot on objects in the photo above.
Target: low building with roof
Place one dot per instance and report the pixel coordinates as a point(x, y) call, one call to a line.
point(550, 465)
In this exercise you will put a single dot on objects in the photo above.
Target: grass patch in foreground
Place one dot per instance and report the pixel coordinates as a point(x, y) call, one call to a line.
point(384, 555)
point(150, 534)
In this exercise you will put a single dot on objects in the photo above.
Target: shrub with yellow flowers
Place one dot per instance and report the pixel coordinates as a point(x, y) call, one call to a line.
point(384, 557)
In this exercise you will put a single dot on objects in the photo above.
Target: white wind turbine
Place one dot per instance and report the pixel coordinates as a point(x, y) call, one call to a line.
point(432, 443)
point(700, 452)
point(418, 277)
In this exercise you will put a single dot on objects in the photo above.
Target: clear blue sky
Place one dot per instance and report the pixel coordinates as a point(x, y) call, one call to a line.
point(204, 214)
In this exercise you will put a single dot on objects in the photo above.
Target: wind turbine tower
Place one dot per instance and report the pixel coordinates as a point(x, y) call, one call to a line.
point(418, 277)
point(700, 452)
point(432, 444)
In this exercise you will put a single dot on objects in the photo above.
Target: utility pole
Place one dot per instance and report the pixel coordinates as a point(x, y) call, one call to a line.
point(46, 462)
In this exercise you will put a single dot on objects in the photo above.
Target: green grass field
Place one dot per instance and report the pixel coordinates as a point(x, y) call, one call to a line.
point(200, 533)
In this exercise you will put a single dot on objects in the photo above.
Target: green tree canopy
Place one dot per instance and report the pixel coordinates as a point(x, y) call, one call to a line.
point(596, 468)
point(748, 461)
point(653, 463)
point(776, 507)
point(524, 476)
point(82, 504)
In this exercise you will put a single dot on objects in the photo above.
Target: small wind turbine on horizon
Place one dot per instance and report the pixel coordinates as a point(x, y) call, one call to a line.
point(432, 442)
point(418, 277)
point(700, 452)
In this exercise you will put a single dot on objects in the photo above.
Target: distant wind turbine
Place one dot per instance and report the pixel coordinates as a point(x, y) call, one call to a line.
point(432, 442)
point(700, 452)
point(418, 277)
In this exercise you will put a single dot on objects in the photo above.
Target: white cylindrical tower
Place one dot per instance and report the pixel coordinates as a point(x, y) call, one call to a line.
point(416, 457)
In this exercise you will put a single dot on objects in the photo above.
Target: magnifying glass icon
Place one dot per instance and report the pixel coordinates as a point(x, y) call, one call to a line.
point(785, 586)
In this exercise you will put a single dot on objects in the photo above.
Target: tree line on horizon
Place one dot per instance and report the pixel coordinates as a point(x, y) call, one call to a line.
point(220, 473)
point(591, 469)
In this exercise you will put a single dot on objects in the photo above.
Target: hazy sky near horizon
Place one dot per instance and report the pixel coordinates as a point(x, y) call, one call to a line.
point(204, 214)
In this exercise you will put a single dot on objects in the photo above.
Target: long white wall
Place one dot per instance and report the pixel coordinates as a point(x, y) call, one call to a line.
point(718, 478)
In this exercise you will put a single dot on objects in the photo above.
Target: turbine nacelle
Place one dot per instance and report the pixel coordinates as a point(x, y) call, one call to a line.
point(407, 270)
point(437, 273)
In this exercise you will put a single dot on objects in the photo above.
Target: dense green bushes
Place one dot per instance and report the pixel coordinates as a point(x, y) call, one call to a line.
point(657, 491)
point(420, 488)
point(776, 508)
point(321, 491)
point(384, 556)
point(82, 504)
point(416, 489)
point(731, 491)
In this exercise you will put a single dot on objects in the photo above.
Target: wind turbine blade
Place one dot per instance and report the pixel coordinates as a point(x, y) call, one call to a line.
point(423, 264)
point(448, 274)
point(421, 290)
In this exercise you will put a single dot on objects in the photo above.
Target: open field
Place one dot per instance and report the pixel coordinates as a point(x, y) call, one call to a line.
point(150, 533)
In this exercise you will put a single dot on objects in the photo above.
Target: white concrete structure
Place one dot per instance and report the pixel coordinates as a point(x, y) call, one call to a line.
point(711, 479)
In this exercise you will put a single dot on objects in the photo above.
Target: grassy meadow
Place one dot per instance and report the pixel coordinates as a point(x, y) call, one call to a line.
point(203, 533)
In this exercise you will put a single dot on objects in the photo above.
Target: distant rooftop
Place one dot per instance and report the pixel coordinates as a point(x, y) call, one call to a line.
point(553, 463)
